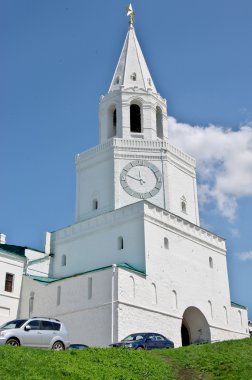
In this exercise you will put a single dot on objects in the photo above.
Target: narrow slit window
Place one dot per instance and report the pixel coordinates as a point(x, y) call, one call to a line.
point(9, 280)
point(58, 295)
point(120, 243)
point(90, 287)
point(95, 204)
point(211, 262)
point(134, 77)
point(166, 243)
point(63, 260)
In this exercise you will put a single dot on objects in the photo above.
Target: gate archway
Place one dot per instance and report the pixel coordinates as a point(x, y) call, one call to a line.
point(194, 327)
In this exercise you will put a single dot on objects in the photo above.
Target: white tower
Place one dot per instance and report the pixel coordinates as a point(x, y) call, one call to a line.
point(136, 259)
point(134, 160)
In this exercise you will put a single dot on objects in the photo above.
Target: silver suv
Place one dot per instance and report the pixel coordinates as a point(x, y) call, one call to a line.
point(35, 332)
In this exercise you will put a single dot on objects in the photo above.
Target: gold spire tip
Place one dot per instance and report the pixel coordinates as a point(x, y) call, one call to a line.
point(131, 15)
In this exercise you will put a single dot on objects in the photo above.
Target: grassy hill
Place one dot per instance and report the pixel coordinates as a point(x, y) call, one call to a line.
point(227, 360)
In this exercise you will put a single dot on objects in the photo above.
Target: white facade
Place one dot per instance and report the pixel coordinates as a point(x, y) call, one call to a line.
point(13, 265)
point(136, 259)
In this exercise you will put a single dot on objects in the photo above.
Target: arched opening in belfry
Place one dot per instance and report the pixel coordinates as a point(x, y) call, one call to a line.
point(135, 119)
point(112, 122)
point(194, 327)
point(159, 122)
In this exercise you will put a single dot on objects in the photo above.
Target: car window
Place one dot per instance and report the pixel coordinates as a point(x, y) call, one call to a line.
point(56, 326)
point(134, 337)
point(35, 324)
point(151, 337)
point(160, 337)
point(16, 324)
point(46, 325)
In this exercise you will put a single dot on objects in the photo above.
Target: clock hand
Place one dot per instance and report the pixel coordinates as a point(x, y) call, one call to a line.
point(137, 179)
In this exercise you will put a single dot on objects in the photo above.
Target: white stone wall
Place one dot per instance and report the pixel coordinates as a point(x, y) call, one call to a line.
point(93, 243)
point(86, 316)
point(9, 301)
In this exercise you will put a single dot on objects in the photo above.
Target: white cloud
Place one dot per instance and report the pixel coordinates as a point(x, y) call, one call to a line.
point(244, 256)
point(224, 162)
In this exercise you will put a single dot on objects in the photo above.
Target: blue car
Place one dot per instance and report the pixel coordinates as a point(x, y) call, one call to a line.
point(144, 341)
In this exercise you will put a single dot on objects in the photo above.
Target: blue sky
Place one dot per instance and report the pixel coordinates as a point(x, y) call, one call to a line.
point(58, 57)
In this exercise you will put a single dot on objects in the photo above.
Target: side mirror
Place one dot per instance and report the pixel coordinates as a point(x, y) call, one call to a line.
point(27, 328)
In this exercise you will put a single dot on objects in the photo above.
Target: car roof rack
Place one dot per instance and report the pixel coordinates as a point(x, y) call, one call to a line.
point(53, 319)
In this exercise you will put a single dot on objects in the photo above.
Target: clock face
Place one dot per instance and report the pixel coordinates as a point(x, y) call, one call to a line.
point(141, 179)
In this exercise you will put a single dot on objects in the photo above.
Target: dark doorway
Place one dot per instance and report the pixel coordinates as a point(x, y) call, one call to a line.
point(135, 118)
point(185, 335)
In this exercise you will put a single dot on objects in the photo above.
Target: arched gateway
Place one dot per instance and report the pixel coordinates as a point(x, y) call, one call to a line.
point(194, 327)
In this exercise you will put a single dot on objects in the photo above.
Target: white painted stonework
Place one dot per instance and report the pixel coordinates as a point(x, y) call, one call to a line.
point(136, 259)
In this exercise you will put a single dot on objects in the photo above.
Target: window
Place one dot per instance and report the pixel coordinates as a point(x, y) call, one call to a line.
point(90, 287)
point(35, 324)
point(210, 262)
point(154, 293)
point(210, 309)
point(120, 243)
point(240, 316)
point(46, 325)
point(133, 289)
point(117, 81)
point(9, 279)
point(160, 337)
point(159, 122)
point(174, 299)
point(95, 204)
point(31, 303)
point(225, 314)
point(63, 260)
point(133, 76)
point(114, 118)
point(183, 204)
point(135, 118)
point(166, 243)
point(58, 295)
point(56, 326)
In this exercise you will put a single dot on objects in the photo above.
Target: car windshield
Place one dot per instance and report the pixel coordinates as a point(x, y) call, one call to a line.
point(134, 337)
point(13, 324)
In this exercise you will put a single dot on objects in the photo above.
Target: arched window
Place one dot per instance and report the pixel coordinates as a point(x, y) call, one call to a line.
point(174, 299)
point(112, 121)
point(154, 293)
point(95, 204)
point(58, 295)
point(31, 303)
point(211, 262)
point(225, 314)
point(133, 289)
point(210, 309)
point(90, 287)
point(120, 243)
point(240, 316)
point(135, 118)
point(117, 81)
point(166, 243)
point(63, 260)
point(133, 76)
point(183, 204)
point(159, 122)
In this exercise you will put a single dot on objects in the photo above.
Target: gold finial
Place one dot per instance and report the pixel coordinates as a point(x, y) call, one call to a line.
point(131, 15)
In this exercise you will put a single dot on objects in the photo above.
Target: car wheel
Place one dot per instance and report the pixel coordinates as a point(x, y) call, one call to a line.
point(58, 346)
point(13, 342)
point(140, 348)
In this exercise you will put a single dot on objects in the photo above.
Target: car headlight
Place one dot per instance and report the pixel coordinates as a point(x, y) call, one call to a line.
point(129, 345)
point(3, 333)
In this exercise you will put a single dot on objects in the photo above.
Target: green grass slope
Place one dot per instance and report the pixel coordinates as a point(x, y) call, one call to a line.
point(227, 360)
